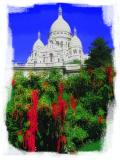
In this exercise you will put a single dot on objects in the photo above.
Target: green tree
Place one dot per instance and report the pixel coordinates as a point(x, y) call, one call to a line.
point(99, 54)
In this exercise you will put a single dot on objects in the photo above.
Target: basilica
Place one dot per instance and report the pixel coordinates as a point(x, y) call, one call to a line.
point(63, 47)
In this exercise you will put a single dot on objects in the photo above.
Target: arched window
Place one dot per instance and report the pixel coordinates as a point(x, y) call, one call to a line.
point(35, 62)
point(61, 43)
point(57, 42)
point(51, 57)
point(68, 44)
point(58, 59)
point(74, 51)
point(51, 42)
point(43, 59)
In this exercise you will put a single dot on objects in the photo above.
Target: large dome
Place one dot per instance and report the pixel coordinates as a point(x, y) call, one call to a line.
point(60, 25)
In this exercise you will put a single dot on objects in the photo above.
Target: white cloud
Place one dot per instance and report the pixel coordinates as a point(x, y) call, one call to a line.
point(16, 9)
point(108, 15)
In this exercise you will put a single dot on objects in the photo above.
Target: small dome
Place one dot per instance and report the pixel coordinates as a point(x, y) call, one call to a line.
point(75, 41)
point(60, 25)
point(38, 44)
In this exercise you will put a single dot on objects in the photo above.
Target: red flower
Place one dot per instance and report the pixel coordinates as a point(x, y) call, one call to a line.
point(32, 118)
point(19, 132)
point(28, 106)
point(62, 108)
point(41, 109)
point(45, 84)
point(73, 103)
point(35, 98)
point(54, 111)
point(61, 87)
point(13, 83)
point(47, 109)
point(64, 139)
point(21, 117)
point(90, 69)
point(62, 105)
point(109, 72)
point(60, 142)
point(19, 105)
point(100, 119)
point(29, 141)
point(15, 114)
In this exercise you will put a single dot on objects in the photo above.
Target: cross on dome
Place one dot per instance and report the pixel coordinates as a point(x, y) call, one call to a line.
point(75, 31)
point(38, 35)
point(60, 10)
point(60, 25)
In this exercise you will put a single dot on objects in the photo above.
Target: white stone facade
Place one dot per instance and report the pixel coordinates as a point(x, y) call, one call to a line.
point(62, 47)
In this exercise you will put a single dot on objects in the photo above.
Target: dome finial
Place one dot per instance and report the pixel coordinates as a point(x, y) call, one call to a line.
point(38, 35)
point(75, 31)
point(60, 10)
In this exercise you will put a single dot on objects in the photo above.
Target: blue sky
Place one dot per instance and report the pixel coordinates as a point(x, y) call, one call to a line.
point(25, 26)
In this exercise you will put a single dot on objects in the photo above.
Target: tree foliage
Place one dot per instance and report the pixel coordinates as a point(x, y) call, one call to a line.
point(99, 54)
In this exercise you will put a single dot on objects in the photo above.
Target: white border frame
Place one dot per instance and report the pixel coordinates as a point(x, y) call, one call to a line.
point(111, 16)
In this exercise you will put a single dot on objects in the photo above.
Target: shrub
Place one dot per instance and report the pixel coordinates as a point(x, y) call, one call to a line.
point(70, 110)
